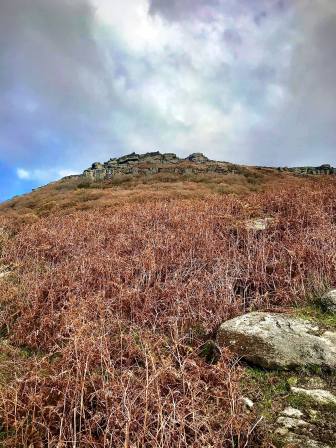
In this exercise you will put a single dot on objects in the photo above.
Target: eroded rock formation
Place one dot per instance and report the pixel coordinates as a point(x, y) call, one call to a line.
point(155, 162)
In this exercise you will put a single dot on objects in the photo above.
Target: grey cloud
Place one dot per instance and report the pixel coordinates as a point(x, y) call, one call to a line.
point(53, 93)
point(303, 129)
point(207, 9)
point(69, 95)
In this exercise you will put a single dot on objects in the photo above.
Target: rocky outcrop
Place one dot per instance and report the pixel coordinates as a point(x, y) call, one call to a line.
point(155, 162)
point(328, 302)
point(273, 340)
point(197, 157)
point(311, 425)
point(320, 396)
point(313, 170)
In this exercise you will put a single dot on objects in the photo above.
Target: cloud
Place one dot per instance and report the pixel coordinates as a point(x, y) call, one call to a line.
point(23, 174)
point(43, 175)
point(301, 130)
point(52, 80)
point(250, 81)
point(208, 10)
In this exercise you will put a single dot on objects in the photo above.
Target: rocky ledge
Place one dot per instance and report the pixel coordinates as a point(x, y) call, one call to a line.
point(314, 170)
point(155, 162)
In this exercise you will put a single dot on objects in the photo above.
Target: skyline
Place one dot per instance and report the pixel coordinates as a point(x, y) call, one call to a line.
point(247, 81)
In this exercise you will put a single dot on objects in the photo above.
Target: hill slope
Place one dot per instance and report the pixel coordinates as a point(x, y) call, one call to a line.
point(150, 177)
point(112, 291)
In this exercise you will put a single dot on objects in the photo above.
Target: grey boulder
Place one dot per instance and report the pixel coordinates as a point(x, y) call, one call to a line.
point(328, 301)
point(320, 396)
point(272, 340)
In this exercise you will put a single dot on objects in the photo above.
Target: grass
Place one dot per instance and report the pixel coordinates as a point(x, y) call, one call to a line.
point(117, 295)
point(314, 313)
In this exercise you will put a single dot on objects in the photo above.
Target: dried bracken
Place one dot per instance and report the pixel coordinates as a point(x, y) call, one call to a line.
point(115, 305)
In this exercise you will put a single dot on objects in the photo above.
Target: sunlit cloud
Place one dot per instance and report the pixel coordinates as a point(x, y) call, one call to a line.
point(242, 80)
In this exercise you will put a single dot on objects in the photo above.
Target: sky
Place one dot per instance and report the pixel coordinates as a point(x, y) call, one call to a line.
point(245, 81)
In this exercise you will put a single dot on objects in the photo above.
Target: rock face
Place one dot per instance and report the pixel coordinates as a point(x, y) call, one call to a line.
point(314, 170)
point(328, 301)
point(274, 340)
point(197, 157)
point(155, 162)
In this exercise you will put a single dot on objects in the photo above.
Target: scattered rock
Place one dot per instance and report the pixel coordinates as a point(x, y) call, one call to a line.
point(301, 441)
point(320, 396)
point(291, 423)
point(247, 402)
point(197, 157)
point(259, 224)
point(292, 412)
point(328, 301)
point(5, 271)
point(314, 382)
point(273, 340)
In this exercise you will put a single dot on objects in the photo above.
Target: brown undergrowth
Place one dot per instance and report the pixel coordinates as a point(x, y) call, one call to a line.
point(109, 310)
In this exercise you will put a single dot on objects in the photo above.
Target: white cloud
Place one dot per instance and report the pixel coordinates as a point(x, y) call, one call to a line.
point(46, 175)
point(23, 174)
point(226, 77)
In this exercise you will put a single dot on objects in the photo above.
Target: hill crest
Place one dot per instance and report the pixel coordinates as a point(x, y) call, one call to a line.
point(195, 163)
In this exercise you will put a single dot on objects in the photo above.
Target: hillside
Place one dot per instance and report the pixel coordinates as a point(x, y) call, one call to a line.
point(150, 177)
point(115, 289)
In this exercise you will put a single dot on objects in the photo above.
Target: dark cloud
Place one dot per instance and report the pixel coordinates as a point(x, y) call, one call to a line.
point(250, 81)
point(208, 9)
point(303, 129)
point(52, 80)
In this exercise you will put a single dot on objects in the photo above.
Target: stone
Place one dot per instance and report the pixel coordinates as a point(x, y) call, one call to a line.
point(247, 402)
point(128, 165)
point(292, 412)
point(97, 166)
point(272, 340)
point(5, 271)
point(197, 157)
point(259, 224)
point(301, 441)
point(328, 301)
point(320, 396)
point(133, 157)
point(291, 423)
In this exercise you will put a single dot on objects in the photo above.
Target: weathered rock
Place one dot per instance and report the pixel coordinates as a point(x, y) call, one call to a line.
point(259, 224)
point(6, 270)
point(97, 166)
point(292, 412)
point(302, 441)
point(197, 157)
point(291, 423)
point(134, 164)
point(273, 340)
point(328, 301)
point(320, 396)
point(248, 403)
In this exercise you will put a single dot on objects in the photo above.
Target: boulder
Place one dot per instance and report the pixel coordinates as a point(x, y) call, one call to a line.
point(328, 301)
point(133, 157)
point(97, 166)
point(259, 224)
point(272, 340)
point(292, 412)
point(197, 157)
point(320, 396)
point(303, 441)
